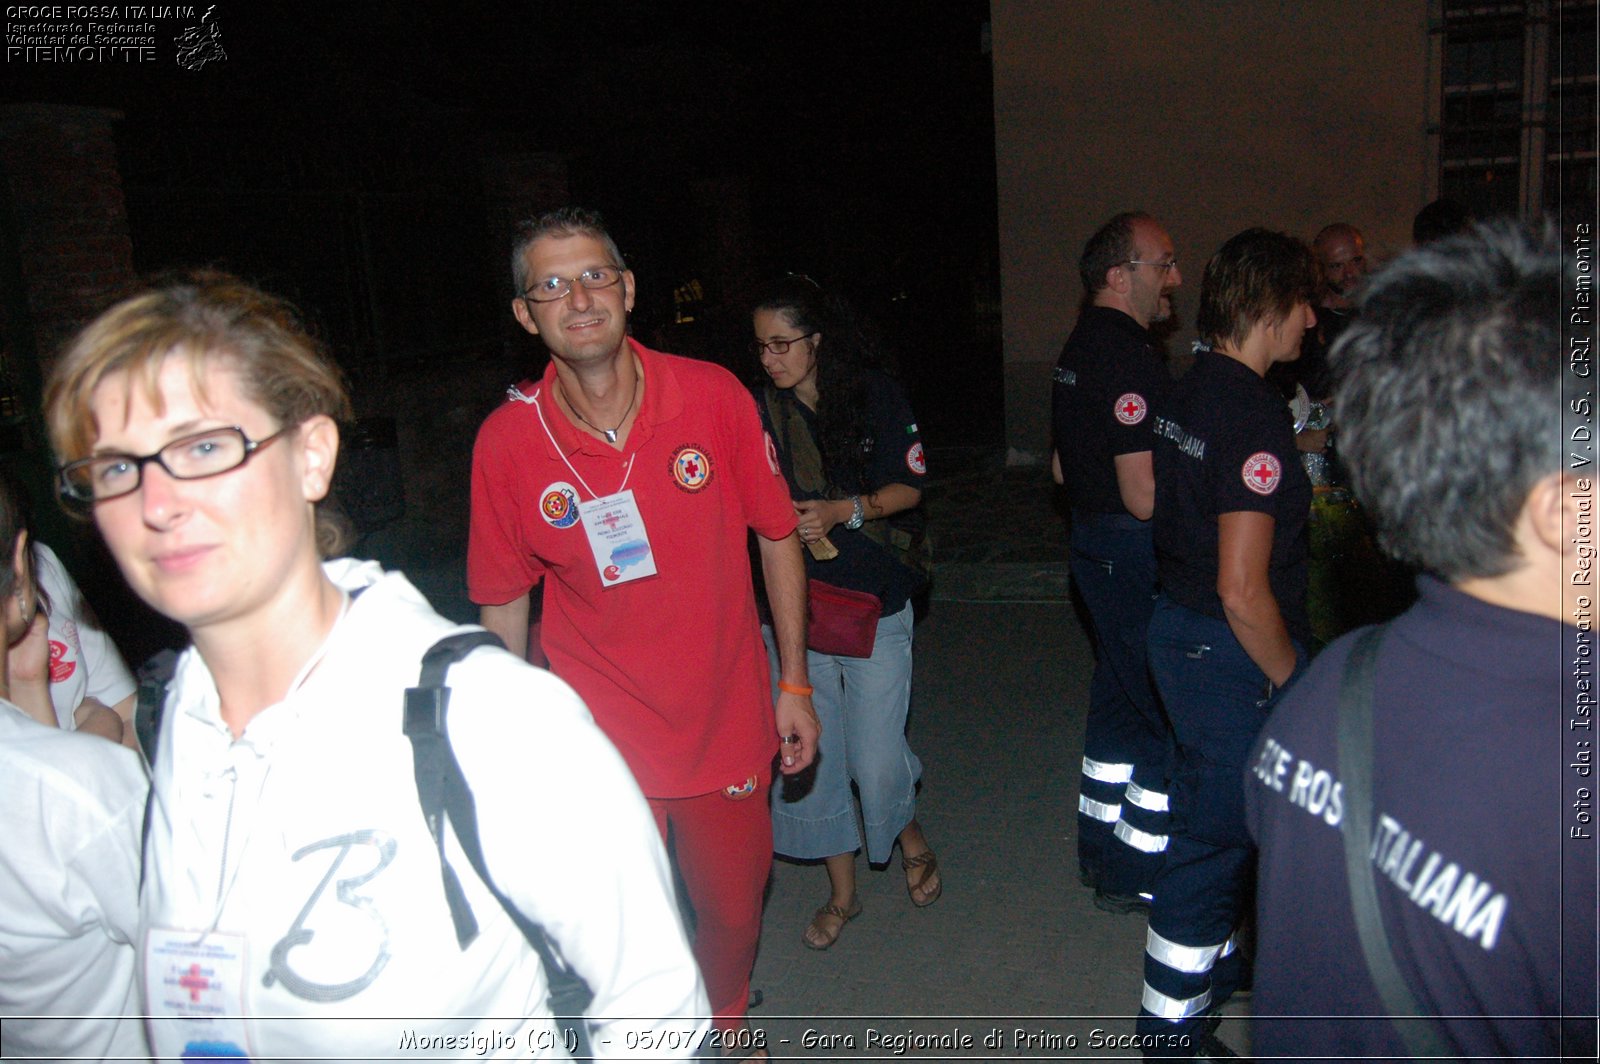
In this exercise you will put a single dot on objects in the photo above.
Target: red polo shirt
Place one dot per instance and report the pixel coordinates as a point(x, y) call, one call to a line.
point(671, 665)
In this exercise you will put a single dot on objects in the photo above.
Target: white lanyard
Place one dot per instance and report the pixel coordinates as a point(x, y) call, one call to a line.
point(226, 877)
point(539, 409)
point(618, 541)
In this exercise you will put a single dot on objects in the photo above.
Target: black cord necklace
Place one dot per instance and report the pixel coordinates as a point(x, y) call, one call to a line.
point(609, 434)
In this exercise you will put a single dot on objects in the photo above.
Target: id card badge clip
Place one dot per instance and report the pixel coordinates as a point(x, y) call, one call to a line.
point(617, 538)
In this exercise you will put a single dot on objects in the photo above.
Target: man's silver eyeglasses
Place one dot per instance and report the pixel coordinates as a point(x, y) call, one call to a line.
point(205, 454)
point(552, 289)
point(1165, 267)
point(777, 347)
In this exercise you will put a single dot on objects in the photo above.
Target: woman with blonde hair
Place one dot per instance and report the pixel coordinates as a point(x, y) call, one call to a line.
point(292, 881)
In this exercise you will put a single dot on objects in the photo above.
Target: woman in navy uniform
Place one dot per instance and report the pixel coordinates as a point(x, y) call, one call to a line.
point(1230, 626)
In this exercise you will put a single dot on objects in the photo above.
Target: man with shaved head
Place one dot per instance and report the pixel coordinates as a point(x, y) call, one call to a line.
point(1341, 254)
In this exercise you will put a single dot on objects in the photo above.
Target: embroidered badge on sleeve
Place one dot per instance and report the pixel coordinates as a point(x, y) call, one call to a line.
point(915, 460)
point(1262, 473)
point(772, 454)
point(1130, 408)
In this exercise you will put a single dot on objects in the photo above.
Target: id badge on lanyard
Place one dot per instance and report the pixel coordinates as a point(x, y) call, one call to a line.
point(618, 542)
point(194, 986)
point(617, 538)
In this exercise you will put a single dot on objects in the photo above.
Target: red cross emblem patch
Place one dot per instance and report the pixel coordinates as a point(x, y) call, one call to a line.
point(61, 669)
point(1130, 408)
point(691, 468)
point(1262, 473)
point(772, 455)
point(915, 460)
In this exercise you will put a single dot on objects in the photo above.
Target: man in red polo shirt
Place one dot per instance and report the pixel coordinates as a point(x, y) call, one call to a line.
point(631, 478)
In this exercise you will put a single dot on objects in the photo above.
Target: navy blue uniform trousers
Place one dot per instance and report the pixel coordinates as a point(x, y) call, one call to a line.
point(1122, 797)
point(1217, 700)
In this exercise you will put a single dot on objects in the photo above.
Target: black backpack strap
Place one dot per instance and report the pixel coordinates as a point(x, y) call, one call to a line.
point(442, 790)
point(154, 677)
point(1421, 1037)
point(434, 763)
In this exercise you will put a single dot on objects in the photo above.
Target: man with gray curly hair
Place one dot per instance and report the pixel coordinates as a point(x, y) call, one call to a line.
point(1407, 793)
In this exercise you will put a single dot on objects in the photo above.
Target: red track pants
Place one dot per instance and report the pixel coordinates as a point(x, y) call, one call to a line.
point(723, 850)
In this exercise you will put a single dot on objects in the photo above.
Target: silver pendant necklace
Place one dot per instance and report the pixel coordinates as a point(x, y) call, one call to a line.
point(609, 434)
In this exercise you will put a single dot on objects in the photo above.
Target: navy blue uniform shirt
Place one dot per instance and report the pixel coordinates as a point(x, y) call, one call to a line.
point(1226, 444)
point(1469, 785)
point(894, 456)
point(1108, 385)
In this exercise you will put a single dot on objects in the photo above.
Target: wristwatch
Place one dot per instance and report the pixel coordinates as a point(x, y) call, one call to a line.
point(857, 513)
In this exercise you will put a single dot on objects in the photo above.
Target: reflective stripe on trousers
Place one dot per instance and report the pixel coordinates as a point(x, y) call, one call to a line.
point(1142, 810)
point(1144, 798)
point(1102, 811)
point(1142, 841)
point(1107, 772)
point(1192, 959)
point(1170, 1008)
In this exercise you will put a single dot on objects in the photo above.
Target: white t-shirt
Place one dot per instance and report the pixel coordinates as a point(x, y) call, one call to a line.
point(294, 904)
point(69, 892)
point(83, 661)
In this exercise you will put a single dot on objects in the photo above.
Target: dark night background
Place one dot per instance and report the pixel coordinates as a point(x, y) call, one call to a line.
point(368, 161)
point(339, 156)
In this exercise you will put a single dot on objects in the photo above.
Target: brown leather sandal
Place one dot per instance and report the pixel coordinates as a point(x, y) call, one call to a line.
point(930, 870)
point(817, 937)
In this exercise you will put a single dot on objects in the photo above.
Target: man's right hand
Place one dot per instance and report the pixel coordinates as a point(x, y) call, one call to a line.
point(798, 731)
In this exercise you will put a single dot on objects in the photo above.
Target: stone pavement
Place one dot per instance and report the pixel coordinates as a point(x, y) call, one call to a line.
point(999, 531)
point(1002, 667)
point(1001, 679)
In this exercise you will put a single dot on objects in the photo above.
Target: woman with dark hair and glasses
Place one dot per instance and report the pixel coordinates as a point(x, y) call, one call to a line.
point(69, 857)
point(851, 453)
point(296, 898)
point(1230, 625)
point(65, 672)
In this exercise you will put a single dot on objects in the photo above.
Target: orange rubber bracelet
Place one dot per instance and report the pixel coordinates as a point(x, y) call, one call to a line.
point(794, 689)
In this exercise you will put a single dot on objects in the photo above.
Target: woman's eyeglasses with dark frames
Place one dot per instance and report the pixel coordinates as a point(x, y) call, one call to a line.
point(203, 454)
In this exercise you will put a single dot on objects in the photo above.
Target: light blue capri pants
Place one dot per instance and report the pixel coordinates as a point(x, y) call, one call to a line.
point(862, 704)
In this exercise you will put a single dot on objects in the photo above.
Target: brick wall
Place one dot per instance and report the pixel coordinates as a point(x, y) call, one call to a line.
point(72, 226)
point(68, 250)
